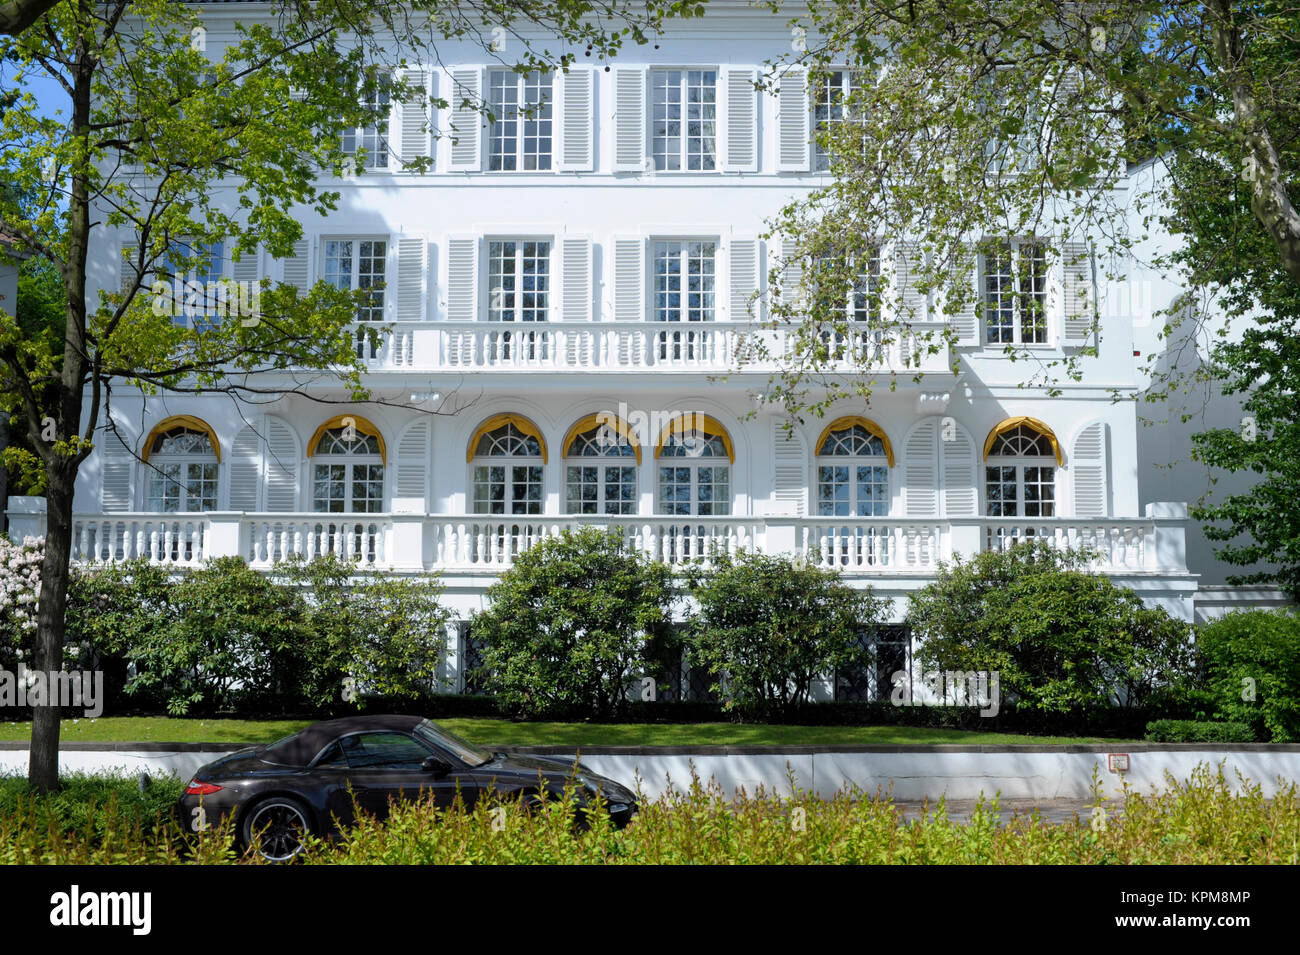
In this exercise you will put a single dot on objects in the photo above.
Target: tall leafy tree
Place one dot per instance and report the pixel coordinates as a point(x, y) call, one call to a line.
point(165, 142)
point(972, 120)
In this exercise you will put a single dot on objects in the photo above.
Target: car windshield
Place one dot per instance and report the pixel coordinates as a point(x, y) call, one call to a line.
point(464, 750)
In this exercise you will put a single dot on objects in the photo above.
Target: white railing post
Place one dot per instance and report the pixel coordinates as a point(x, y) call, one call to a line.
point(1169, 553)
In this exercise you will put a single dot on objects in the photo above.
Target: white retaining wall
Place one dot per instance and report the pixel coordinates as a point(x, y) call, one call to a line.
point(958, 773)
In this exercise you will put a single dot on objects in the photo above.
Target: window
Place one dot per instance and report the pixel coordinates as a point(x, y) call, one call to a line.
point(384, 751)
point(359, 264)
point(507, 472)
point(1015, 294)
point(347, 475)
point(855, 482)
point(183, 472)
point(863, 339)
point(372, 139)
point(193, 271)
point(518, 281)
point(1022, 481)
point(696, 481)
point(596, 486)
point(830, 93)
point(852, 481)
point(519, 138)
point(886, 649)
point(684, 282)
point(684, 119)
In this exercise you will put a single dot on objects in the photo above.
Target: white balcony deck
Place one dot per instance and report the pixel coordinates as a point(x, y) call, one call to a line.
point(490, 543)
point(627, 346)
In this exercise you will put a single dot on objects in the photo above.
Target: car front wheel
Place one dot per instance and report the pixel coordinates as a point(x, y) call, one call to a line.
point(277, 827)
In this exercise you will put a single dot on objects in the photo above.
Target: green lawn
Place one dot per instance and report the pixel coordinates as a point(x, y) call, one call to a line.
point(491, 732)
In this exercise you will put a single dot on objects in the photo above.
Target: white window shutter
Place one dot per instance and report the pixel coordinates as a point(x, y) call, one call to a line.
point(957, 452)
point(297, 267)
point(462, 278)
point(743, 281)
point(575, 278)
point(413, 466)
point(791, 272)
point(1078, 293)
point(412, 278)
point(920, 470)
point(245, 470)
point(793, 147)
point(248, 268)
point(629, 278)
point(790, 471)
point(577, 120)
point(116, 461)
point(629, 119)
point(963, 319)
point(740, 120)
point(281, 467)
point(913, 305)
point(415, 119)
point(466, 120)
point(1089, 472)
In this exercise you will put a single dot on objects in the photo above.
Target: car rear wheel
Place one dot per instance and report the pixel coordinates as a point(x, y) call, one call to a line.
point(277, 828)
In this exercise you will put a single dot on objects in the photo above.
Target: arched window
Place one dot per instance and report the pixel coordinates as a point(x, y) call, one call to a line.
point(507, 469)
point(852, 472)
point(182, 459)
point(694, 468)
point(347, 469)
point(1021, 458)
point(600, 468)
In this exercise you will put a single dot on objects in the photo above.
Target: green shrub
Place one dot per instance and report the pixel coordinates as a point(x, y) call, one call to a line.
point(225, 637)
point(1197, 821)
point(768, 625)
point(386, 633)
point(1199, 731)
point(1251, 661)
point(1060, 637)
point(566, 625)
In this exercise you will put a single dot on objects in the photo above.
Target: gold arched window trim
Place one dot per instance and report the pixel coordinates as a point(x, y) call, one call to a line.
point(1033, 424)
point(181, 421)
point(591, 421)
point(696, 421)
point(522, 424)
point(849, 421)
point(362, 425)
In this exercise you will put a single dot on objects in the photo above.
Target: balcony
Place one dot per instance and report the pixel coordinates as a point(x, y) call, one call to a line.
point(714, 347)
point(881, 547)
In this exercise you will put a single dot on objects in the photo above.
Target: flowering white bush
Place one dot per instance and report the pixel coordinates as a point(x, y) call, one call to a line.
point(20, 585)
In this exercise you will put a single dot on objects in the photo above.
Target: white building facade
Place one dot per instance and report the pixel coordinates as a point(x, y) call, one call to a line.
point(566, 295)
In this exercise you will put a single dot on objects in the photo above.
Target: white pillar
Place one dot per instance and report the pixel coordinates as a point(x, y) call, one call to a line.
point(26, 517)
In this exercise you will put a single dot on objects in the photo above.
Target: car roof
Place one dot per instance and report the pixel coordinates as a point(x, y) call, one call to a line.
point(301, 748)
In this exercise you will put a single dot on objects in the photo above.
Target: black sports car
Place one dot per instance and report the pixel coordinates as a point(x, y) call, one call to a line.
point(300, 784)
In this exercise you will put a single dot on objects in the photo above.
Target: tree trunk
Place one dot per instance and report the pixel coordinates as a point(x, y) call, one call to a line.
point(43, 768)
point(4, 475)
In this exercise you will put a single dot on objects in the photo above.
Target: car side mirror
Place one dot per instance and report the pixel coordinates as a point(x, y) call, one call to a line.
point(436, 765)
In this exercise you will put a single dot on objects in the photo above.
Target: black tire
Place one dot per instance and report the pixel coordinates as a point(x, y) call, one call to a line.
point(275, 827)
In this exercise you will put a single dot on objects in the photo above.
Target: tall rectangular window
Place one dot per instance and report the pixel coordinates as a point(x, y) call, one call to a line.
point(684, 273)
point(359, 264)
point(1015, 294)
point(519, 276)
point(684, 120)
point(373, 139)
point(519, 138)
point(830, 93)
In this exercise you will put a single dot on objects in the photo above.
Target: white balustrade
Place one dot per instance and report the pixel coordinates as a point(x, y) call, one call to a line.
point(154, 537)
point(1119, 545)
point(855, 545)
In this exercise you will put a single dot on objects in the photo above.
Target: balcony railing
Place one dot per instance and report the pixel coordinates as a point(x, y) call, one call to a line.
point(627, 346)
point(874, 546)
